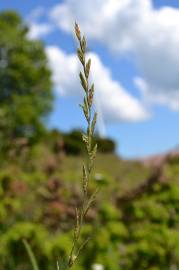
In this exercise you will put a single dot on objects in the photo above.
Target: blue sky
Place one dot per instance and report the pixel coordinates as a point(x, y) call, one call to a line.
point(139, 60)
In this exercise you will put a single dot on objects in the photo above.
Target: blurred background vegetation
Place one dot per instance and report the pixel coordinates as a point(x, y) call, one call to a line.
point(134, 222)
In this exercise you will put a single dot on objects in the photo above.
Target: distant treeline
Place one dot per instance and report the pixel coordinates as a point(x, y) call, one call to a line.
point(72, 143)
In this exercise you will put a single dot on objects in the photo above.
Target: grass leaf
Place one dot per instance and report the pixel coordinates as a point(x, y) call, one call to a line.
point(31, 255)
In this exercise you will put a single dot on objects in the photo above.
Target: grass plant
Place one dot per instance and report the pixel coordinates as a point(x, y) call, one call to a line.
point(91, 148)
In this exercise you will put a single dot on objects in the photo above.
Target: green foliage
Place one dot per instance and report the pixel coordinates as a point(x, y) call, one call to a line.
point(73, 143)
point(38, 207)
point(109, 212)
point(25, 80)
point(105, 145)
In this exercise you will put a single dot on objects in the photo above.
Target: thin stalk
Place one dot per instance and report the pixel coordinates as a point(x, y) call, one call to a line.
point(90, 147)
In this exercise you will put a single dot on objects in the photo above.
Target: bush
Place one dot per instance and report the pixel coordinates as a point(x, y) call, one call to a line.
point(73, 143)
point(105, 145)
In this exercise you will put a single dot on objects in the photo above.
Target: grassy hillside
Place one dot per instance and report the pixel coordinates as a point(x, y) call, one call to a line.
point(39, 188)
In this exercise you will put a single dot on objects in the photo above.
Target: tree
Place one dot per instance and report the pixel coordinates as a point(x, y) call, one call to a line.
point(25, 80)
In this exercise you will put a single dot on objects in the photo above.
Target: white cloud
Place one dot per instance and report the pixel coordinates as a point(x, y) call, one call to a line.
point(168, 98)
point(38, 30)
point(133, 26)
point(113, 101)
